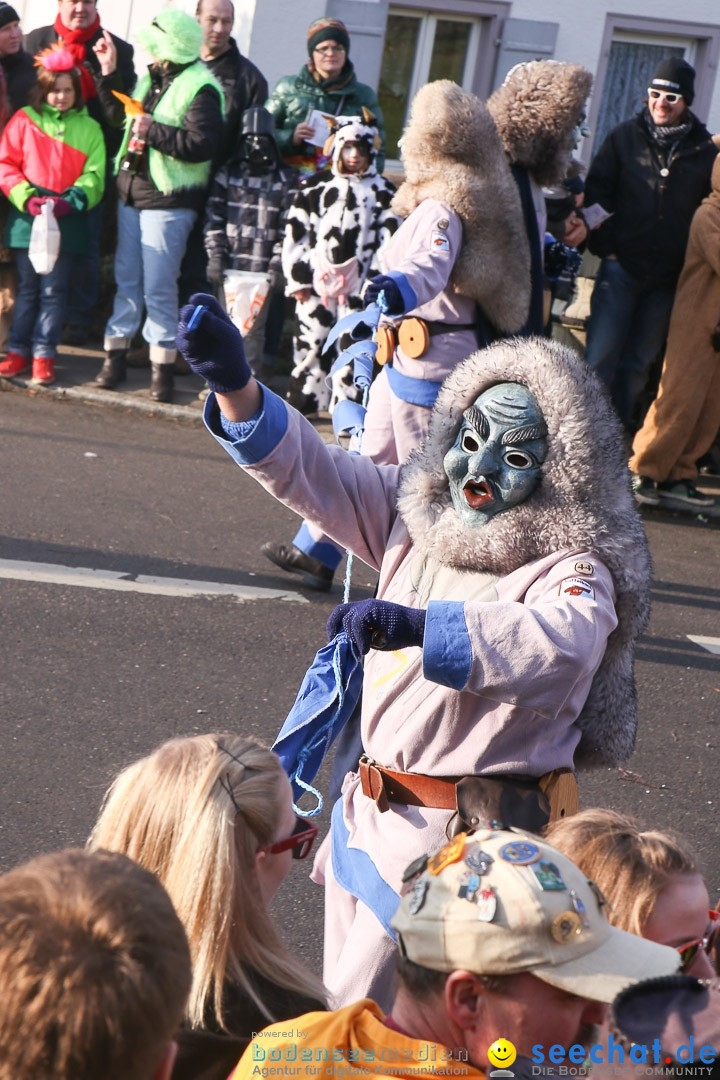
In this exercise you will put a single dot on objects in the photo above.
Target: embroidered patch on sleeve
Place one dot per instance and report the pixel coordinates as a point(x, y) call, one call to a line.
point(573, 586)
point(439, 241)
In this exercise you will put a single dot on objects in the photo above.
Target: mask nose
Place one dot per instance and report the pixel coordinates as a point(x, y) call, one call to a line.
point(484, 462)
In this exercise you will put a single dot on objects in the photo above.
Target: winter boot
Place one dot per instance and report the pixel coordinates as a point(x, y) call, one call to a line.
point(161, 382)
point(113, 371)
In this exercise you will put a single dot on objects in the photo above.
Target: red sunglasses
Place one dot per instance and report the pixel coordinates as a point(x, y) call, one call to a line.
point(300, 840)
point(689, 952)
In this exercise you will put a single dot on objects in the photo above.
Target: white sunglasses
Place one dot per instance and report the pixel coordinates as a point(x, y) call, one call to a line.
point(669, 97)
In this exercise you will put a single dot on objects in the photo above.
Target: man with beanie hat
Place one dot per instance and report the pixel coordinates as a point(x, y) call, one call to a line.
point(650, 175)
point(505, 953)
point(18, 66)
point(326, 83)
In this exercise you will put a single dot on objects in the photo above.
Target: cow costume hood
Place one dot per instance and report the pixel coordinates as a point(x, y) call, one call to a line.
point(353, 129)
point(451, 152)
point(583, 503)
point(536, 110)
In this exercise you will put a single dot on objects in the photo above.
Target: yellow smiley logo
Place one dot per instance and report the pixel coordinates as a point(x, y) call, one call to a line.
point(502, 1053)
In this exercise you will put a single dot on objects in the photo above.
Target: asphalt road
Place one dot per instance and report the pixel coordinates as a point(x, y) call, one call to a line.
point(95, 673)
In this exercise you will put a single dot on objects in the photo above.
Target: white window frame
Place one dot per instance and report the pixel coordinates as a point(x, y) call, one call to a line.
point(423, 52)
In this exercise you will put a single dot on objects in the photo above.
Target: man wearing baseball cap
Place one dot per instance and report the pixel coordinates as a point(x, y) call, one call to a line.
point(502, 940)
point(650, 175)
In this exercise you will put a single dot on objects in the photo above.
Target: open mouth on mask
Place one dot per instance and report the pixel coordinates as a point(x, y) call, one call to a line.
point(477, 493)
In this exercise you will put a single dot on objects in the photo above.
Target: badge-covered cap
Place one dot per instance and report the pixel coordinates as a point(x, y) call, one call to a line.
point(501, 902)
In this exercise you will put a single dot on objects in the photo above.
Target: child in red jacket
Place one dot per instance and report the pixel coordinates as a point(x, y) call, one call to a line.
point(50, 151)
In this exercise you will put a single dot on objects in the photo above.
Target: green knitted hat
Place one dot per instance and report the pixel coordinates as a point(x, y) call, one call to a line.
point(173, 36)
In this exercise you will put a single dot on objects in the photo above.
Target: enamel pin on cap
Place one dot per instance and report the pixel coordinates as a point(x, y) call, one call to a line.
point(486, 904)
point(520, 852)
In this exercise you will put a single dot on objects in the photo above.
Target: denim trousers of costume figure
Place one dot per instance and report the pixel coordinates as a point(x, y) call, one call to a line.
point(626, 332)
point(151, 245)
point(40, 306)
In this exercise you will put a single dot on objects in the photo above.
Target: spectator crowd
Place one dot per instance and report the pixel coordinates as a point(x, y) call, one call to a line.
point(475, 917)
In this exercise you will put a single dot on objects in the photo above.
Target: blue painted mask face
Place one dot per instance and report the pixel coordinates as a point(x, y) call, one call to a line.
point(496, 460)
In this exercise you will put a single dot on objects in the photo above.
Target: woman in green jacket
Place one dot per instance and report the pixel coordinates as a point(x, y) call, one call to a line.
point(327, 83)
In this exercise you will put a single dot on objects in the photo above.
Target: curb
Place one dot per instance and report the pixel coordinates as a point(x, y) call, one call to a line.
point(112, 399)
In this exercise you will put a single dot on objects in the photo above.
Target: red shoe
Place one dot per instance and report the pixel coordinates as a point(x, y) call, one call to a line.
point(43, 370)
point(14, 364)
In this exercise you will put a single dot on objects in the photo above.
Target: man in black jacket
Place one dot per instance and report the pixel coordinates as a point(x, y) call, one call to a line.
point(78, 27)
point(650, 175)
point(243, 84)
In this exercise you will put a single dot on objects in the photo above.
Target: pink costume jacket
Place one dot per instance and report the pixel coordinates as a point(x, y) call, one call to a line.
point(527, 658)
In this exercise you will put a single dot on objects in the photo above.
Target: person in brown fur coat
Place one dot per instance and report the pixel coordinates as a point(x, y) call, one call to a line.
point(539, 112)
point(684, 418)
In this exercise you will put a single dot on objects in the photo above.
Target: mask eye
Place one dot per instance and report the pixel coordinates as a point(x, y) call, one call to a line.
point(469, 443)
point(518, 459)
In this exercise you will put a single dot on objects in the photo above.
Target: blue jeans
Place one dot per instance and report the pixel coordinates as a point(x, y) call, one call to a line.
point(151, 245)
point(626, 333)
point(40, 306)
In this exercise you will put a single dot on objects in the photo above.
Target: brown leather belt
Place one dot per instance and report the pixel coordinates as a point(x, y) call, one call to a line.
point(411, 789)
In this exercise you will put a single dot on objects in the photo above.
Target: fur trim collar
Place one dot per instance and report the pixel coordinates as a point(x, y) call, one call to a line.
point(584, 502)
point(451, 152)
point(535, 111)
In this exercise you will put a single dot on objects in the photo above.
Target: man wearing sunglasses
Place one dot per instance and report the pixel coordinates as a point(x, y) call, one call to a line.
point(650, 175)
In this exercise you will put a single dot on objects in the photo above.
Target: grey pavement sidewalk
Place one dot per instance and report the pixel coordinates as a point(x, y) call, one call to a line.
point(75, 381)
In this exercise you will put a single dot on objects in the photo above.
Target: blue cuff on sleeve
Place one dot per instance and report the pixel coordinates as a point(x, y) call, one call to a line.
point(407, 292)
point(251, 440)
point(447, 654)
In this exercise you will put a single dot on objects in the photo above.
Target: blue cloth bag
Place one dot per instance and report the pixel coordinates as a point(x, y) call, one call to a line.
point(326, 699)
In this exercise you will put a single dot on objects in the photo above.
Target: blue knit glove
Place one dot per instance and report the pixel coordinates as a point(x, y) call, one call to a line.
point(394, 303)
point(378, 624)
point(212, 345)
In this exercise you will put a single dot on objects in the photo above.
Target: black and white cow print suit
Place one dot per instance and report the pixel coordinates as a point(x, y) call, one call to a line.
point(334, 229)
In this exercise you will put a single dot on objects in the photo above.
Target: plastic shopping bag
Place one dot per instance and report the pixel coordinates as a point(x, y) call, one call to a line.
point(245, 294)
point(44, 240)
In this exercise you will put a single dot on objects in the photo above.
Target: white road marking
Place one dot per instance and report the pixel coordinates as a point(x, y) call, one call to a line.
point(87, 578)
point(712, 644)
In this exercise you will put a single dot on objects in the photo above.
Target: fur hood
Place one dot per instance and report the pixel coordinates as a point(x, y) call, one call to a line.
point(451, 152)
point(584, 502)
point(535, 111)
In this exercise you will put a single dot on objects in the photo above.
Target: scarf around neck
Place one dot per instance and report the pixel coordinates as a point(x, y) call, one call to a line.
point(335, 82)
point(75, 42)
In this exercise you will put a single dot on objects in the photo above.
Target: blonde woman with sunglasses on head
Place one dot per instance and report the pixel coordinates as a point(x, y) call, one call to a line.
point(651, 881)
point(212, 816)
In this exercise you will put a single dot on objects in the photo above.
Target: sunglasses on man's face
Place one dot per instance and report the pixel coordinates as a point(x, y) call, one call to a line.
point(300, 840)
point(671, 99)
point(690, 952)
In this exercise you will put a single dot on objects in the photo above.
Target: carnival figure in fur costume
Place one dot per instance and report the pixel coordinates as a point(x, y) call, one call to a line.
point(539, 112)
point(514, 581)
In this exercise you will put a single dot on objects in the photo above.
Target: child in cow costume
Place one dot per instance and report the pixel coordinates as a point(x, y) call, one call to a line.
point(514, 581)
point(338, 221)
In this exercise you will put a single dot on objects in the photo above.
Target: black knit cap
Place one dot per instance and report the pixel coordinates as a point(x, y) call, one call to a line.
point(676, 76)
point(327, 29)
point(8, 14)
